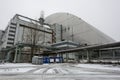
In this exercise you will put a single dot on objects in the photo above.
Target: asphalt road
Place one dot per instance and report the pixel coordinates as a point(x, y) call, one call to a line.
point(57, 72)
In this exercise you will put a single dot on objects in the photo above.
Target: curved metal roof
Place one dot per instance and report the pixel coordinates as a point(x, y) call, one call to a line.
point(82, 31)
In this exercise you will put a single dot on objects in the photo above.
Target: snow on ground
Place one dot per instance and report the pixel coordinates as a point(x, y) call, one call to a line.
point(16, 65)
point(14, 70)
point(54, 68)
point(81, 71)
point(64, 71)
point(50, 71)
point(40, 70)
point(98, 66)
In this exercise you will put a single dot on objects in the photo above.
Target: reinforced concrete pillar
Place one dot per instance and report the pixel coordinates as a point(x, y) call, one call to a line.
point(88, 56)
point(113, 54)
point(99, 54)
point(16, 54)
point(67, 57)
point(19, 55)
point(8, 56)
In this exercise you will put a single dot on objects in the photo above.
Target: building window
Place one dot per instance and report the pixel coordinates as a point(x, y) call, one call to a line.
point(11, 39)
point(13, 24)
point(12, 35)
point(12, 27)
point(8, 46)
point(10, 43)
point(12, 31)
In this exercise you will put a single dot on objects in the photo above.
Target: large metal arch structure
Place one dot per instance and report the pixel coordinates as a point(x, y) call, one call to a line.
point(83, 32)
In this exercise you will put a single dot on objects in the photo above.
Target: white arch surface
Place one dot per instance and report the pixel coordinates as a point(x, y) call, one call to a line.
point(82, 31)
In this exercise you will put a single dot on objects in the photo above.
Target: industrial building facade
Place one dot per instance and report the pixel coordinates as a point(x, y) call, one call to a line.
point(26, 31)
point(61, 35)
point(21, 31)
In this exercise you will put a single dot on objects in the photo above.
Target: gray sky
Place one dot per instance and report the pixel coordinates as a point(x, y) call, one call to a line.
point(102, 14)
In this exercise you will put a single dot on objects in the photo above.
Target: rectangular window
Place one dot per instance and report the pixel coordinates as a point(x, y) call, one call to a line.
point(8, 46)
point(10, 43)
point(12, 35)
point(13, 24)
point(12, 27)
point(12, 31)
point(11, 39)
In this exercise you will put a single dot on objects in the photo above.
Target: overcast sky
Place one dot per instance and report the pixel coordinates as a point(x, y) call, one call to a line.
point(102, 14)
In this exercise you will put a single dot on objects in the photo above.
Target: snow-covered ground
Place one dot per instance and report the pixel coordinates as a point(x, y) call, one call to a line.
point(9, 68)
point(65, 71)
point(99, 66)
point(14, 70)
point(16, 65)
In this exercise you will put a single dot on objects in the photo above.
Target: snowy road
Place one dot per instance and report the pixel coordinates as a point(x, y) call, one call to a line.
point(59, 72)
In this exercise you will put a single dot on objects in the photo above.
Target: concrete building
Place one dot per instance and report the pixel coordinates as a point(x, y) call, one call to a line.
point(1, 35)
point(24, 30)
point(57, 36)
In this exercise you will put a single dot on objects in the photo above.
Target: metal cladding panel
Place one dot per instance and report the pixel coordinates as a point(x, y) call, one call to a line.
point(83, 32)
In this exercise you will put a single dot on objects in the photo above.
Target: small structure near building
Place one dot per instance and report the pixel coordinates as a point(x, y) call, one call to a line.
point(63, 45)
point(46, 60)
point(37, 60)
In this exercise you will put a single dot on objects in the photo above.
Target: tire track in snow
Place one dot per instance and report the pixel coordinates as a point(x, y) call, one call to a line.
point(45, 71)
point(68, 72)
point(56, 71)
point(33, 70)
